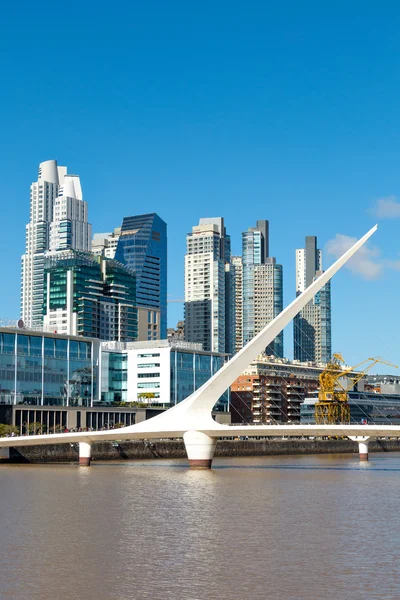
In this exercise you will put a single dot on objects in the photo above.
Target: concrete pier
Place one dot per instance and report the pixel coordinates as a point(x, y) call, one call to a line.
point(200, 449)
point(363, 441)
point(4, 454)
point(85, 454)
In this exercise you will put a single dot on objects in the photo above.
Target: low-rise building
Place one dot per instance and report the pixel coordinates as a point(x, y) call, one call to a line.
point(45, 369)
point(70, 382)
point(271, 391)
point(159, 372)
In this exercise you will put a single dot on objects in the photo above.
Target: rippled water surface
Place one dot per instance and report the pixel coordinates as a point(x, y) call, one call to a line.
point(312, 527)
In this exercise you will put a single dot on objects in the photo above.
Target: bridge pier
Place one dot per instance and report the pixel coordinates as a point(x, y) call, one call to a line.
point(200, 449)
point(4, 454)
point(85, 454)
point(362, 441)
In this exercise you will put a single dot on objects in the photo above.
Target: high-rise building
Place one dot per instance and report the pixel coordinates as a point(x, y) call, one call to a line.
point(312, 326)
point(262, 287)
point(69, 228)
point(91, 296)
point(209, 287)
point(237, 272)
point(105, 244)
point(142, 246)
point(58, 221)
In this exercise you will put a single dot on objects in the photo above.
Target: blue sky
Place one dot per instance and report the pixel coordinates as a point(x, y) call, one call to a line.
point(286, 111)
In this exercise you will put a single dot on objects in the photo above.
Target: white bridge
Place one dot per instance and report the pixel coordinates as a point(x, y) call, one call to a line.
point(191, 418)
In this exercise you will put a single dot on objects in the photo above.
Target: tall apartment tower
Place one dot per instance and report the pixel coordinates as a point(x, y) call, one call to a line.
point(209, 287)
point(142, 246)
point(262, 286)
point(58, 221)
point(237, 271)
point(312, 326)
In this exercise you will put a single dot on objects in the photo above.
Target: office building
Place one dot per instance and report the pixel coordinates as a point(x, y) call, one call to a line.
point(90, 296)
point(262, 287)
point(43, 369)
point(142, 246)
point(209, 287)
point(159, 372)
point(51, 382)
point(58, 220)
point(312, 326)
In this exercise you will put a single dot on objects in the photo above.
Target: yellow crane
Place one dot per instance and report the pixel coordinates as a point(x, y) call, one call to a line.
point(335, 382)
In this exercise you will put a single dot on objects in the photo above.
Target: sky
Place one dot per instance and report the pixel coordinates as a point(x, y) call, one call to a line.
point(286, 111)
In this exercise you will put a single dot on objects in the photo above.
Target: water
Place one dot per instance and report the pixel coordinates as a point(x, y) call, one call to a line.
point(312, 527)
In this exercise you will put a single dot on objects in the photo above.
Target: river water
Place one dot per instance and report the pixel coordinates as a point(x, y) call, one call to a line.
point(312, 527)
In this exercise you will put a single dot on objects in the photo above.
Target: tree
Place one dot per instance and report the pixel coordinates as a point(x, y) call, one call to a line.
point(34, 428)
point(7, 430)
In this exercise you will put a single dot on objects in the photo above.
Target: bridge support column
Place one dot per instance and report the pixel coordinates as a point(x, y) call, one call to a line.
point(85, 454)
point(4, 454)
point(362, 441)
point(200, 449)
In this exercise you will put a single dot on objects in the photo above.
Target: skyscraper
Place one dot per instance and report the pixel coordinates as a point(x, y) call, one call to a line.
point(262, 285)
point(142, 246)
point(209, 287)
point(69, 228)
point(237, 275)
point(312, 326)
point(58, 220)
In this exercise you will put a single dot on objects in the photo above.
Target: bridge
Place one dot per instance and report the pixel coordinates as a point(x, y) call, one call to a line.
point(191, 419)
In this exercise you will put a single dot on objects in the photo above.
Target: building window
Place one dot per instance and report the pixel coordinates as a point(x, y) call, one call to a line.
point(142, 386)
point(146, 375)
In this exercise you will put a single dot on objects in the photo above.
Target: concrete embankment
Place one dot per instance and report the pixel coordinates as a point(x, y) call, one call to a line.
point(167, 449)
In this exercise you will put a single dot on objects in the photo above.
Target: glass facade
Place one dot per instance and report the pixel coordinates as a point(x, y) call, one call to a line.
point(189, 371)
point(142, 246)
point(101, 293)
point(116, 377)
point(45, 370)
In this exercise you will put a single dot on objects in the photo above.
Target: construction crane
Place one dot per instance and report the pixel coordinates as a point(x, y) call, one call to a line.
point(335, 382)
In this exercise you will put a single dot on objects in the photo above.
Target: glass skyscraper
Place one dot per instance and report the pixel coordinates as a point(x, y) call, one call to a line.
point(142, 246)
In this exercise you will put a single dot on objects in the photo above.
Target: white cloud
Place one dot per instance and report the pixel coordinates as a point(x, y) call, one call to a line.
point(386, 208)
point(365, 262)
point(393, 264)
